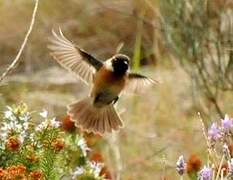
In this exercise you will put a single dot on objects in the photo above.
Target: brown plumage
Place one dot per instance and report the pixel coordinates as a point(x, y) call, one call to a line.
point(95, 119)
point(96, 113)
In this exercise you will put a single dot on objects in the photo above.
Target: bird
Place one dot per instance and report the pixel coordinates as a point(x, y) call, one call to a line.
point(107, 79)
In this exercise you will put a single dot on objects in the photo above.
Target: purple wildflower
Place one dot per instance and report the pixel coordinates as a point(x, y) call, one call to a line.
point(230, 167)
point(180, 165)
point(205, 173)
point(214, 132)
point(227, 123)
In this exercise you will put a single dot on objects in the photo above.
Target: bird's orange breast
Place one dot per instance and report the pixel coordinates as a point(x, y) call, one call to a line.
point(106, 80)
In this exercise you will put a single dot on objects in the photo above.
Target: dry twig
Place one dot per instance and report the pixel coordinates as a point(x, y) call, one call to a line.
point(15, 61)
point(211, 151)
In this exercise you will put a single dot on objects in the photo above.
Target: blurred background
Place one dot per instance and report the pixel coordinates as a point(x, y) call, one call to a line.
point(185, 44)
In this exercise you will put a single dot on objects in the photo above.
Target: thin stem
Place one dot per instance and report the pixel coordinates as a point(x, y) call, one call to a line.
point(209, 93)
point(15, 61)
point(219, 168)
point(210, 150)
point(113, 142)
point(222, 174)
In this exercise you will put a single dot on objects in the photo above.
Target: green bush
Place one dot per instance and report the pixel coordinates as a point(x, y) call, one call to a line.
point(33, 146)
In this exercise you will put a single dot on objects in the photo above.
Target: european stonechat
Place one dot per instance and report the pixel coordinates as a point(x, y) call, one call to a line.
point(96, 113)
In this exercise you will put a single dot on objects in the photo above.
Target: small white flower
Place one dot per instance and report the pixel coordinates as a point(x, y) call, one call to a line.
point(18, 127)
point(31, 137)
point(44, 113)
point(3, 135)
point(55, 123)
point(78, 171)
point(25, 117)
point(96, 168)
point(11, 125)
point(83, 145)
point(8, 114)
point(22, 136)
point(41, 126)
point(25, 125)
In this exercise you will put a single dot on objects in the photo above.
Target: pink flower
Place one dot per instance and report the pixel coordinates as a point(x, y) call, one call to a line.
point(180, 165)
point(227, 123)
point(205, 174)
point(214, 132)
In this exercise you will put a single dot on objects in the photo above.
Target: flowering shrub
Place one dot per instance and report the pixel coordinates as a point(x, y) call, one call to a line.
point(220, 154)
point(34, 146)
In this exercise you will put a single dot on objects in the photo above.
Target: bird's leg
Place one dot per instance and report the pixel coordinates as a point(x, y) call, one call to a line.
point(115, 100)
point(104, 98)
point(97, 98)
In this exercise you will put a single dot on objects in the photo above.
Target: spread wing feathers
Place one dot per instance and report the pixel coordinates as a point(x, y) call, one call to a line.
point(137, 83)
point(73, 58)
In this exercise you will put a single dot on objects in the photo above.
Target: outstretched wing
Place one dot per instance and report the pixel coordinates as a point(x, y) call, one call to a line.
point(137, 83)
point(73, 58)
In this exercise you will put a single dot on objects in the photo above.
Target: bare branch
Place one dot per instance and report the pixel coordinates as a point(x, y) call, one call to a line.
point(15, 61)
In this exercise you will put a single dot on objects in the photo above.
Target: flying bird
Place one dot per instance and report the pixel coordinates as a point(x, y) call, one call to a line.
point(96, 113)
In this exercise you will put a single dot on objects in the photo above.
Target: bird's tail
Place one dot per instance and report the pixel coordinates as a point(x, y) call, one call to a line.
point(90, 118)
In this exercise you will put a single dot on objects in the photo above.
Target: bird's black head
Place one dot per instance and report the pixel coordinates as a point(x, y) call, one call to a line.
point(120, 64)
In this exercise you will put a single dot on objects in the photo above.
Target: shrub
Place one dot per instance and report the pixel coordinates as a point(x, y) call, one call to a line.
point(220, 154)
point(34, 146)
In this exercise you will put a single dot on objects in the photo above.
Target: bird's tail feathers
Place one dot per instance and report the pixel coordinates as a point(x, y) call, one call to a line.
point(90, 118)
